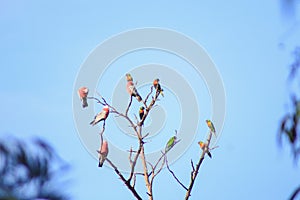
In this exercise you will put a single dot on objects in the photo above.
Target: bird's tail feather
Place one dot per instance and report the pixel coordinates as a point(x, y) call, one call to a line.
point(162, 94)
point(84, 103)
point(209, 154)
point(138, 97)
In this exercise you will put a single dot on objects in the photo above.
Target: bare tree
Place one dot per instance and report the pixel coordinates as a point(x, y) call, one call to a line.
point(150, 170)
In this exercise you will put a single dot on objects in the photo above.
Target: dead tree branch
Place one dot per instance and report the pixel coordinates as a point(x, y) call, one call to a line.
point(131, 188)
point(295, 194)
point(97, 100)
point(147, 97)
point(195, 171)
point(140, 153)
point(101, 133)
point(133, 163)
point(127, 109)
point(174, 176)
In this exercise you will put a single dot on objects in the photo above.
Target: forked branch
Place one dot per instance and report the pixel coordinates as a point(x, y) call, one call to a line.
point(195, 171)
point(131, 188)
point(175, 177)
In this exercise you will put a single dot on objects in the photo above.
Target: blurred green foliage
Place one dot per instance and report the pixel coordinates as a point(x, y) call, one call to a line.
point(289, 126)
point(30, 170)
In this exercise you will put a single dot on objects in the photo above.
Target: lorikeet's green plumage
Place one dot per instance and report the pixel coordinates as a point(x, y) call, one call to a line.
point(171, 143)
point(211, 126)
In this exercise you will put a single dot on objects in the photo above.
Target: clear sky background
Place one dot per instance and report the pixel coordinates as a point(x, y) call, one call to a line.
point(43, 44)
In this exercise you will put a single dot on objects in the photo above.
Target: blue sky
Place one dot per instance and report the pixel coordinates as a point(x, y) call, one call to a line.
point(43, 45)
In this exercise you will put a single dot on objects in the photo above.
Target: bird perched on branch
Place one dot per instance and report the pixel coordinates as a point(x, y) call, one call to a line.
point(101, 115)
point(142, 112)
point(211, 126)
point(170, 144)
point(158, 87)
point(131, 89)
point(204, 147)
point(103, 151)
point(83, 92)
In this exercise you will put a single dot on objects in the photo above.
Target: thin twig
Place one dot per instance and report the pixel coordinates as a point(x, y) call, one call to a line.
point(127, 109)
point(96, 99)
point(195, 171)
point(152, 169)
point(147, 134)
point(114, 110)
point(164, 155)
point(137, 120)
point(131, 151)
point(139, 173)
point(105, 103)
point(158, 161)
point(159, 170)
point(101, 134)
point(213, 148)
point(148, 108)
point(192, 163)
point(146, 99)
point(131, 188)
point(130, 156)
point(173, 174)
point(133, 163)
point(295, 194)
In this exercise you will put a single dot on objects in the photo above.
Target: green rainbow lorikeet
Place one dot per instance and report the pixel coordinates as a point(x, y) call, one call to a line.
point(211, 126)
point(204, 146)
point(172, 141)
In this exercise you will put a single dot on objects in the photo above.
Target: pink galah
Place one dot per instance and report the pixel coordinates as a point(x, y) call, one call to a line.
point(103, 151)
point(101, 115)
point(132, 91)
point(83, 92)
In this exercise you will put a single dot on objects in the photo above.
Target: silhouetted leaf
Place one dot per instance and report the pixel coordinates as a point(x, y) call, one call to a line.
point(29, 170)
